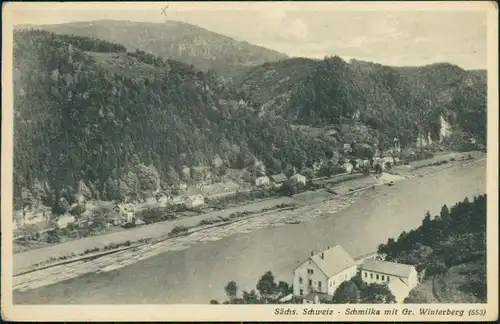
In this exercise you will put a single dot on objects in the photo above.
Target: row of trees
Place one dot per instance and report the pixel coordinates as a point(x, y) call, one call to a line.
point(267, 291)
point(454, 237)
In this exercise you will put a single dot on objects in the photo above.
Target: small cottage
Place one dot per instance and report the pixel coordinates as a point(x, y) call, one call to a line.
point(348, 167)
point(278, 179)
point(194, 201)
point(65, 220)
point(347, 147)
point(163, 201)
point(298, 178)
point(262, 181)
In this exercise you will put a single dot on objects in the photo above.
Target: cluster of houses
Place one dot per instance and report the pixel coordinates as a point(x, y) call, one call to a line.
point(316, 279)
point(278, 179)
point(125, 212)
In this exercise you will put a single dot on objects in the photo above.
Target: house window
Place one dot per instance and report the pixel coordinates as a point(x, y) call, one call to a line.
point(319, 285)
point(383, 277)
point(388, 278)
point(310, 271)
point(371, 275)
point(377, 277)
point(345, 277)
point(310, 282)
point(300, 280)
point(366, 274)
point(301, 292)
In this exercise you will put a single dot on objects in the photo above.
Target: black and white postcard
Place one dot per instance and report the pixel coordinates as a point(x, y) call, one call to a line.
point(244, 161)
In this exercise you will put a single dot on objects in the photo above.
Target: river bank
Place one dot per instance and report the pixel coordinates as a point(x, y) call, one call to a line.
point(28, 260)
point(273, 221)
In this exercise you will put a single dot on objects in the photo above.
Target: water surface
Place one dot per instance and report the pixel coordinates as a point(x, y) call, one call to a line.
point(199, 273)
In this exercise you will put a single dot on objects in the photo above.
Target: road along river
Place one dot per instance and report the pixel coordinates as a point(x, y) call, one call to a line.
point(200, 272)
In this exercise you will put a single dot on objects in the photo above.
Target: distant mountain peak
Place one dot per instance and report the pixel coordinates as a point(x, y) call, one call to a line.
point(175, 40)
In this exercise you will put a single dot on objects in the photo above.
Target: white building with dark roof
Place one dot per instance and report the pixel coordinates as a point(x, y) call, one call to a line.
point(318, 277)
point(400, 278)
point(298, 178)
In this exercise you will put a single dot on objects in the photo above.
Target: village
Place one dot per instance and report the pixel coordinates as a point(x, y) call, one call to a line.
point(37, 226)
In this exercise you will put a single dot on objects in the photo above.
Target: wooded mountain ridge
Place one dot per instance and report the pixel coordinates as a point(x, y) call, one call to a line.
point(174, 40)
point(403, 102)
point(89, 114)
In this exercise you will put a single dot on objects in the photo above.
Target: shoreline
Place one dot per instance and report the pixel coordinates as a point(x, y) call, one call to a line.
point(342, 201)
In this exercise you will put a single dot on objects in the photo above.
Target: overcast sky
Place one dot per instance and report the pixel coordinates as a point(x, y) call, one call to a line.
point(394, 37)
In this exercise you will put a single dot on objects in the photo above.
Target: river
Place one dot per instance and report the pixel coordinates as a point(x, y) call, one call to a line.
point(199, 273)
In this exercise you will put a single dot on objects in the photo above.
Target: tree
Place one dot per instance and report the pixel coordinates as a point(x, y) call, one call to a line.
point(27, 197)
point(426, 223)
point(61, 207)
point(289, 187)
point(53, 237)
point(358, 281)
point(378, 168)
point(445, 214)
point(266, 285)
point(308, 173)
point(377, 294)
point(251, 297)
point(231, 290)
point(172, 176)
point(346, 293)
point(284, 288)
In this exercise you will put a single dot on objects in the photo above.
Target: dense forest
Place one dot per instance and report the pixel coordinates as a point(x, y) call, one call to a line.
point(96, 119)
point(456, 238)
point(391, 102)
point(81, 123)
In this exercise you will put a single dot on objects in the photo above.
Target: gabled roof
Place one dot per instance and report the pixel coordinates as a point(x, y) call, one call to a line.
point(334, 260)
point(391, 268)
point(279, 177)
point(296, 175)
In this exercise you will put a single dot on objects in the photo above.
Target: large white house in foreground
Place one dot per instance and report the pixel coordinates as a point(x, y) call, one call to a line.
point(319, 276)
point(400, 278)
point(316, 279)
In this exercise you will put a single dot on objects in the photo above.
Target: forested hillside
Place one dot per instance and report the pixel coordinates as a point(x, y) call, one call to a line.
point(178, 41)
point(450, 249)
point(90, 115)
point(394, 102)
